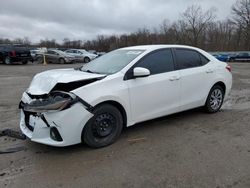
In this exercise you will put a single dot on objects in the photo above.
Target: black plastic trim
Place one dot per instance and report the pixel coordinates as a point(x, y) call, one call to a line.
point(45, 121)
point(57, 134)
point(89, 107)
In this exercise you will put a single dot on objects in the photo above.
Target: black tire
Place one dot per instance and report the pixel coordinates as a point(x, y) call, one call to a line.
point(7, 60)
point(231, 60)
point(104, 127)
point(86, 60)
point(39, 60)
point(215, 99)
point(61, 61)
point(24, 62)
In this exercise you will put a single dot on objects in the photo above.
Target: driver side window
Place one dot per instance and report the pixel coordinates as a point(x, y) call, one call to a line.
point(157, 62)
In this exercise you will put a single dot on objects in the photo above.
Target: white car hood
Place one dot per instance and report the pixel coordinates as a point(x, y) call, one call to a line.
point(44, 82)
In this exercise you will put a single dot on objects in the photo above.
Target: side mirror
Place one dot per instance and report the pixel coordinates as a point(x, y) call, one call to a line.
point(140, 72)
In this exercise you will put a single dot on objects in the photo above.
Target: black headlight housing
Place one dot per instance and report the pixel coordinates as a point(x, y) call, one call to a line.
point(55, 101)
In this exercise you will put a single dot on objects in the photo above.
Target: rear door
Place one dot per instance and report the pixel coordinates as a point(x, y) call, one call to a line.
point(197, 75)
point(157, 94)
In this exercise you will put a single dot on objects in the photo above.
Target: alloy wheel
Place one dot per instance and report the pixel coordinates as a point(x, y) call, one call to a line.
point(216, 99)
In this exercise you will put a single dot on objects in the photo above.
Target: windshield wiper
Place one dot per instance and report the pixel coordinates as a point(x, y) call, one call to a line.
point(89, 71)
point(78, 68)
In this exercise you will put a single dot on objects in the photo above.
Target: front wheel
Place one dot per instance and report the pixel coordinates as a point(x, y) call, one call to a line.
point(104, 127)
point(39, 59)
point(215, 99)
point(61, 61)
point(86, 59)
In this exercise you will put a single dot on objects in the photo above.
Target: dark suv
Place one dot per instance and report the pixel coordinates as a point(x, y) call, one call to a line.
point(14, 53)
point(242, 56)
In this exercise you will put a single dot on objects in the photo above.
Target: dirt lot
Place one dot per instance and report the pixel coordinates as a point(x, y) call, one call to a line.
point(189, 149)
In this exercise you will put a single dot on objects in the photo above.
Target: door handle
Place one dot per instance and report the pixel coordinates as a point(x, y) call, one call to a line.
point(209, 71)
point(173, 78)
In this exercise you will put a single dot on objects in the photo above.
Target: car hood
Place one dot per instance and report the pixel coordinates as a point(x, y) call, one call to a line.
point(91, 55)
point(44, 82)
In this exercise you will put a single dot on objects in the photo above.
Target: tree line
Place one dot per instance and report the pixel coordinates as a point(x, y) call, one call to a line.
point(195, 27)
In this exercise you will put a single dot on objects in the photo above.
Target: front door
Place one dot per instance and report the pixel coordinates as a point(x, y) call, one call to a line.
point(158, 94)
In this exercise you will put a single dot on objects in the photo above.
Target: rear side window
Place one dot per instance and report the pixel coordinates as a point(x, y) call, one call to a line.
point(158, 62)
point(51, 52)
point(188, 58)
point(204, 60)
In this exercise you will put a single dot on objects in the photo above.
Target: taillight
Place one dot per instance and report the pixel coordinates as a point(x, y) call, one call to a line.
point(228, 67)
point(13, 53)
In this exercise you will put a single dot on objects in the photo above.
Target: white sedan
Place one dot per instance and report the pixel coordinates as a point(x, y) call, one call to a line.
point(93, 103)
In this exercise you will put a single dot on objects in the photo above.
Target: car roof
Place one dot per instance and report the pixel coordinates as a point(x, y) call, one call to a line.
point(75, 49)
point(55, 50)
point(150, 48)
point(155, 47)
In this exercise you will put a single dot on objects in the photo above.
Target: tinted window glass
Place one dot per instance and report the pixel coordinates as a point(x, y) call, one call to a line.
point(51, 52)
point(187, 58)
point(204, 60)
point(158, 62)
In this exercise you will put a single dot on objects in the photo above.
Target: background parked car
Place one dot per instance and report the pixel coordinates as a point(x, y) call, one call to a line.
point(81, 55)
point(222, 57)
point(14, 53)
point(56, 56)
point(100, 53)
point(36, 53)
point(242, 56)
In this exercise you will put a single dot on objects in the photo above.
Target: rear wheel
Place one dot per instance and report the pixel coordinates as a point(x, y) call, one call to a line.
point(215, 99)
point(61, 61)
point(86, 59)
point(104, 127)
point(40, 59)
point(7, 60)
point(24, 62)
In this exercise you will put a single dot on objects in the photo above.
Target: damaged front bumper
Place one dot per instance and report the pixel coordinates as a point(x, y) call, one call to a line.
point(61, 127)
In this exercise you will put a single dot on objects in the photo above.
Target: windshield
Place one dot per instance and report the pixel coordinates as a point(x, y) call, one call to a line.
point(111, 62)
point(83, 51)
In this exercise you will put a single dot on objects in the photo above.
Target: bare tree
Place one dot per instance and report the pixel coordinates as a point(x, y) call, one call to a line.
point(195, 22)
point(241, 18)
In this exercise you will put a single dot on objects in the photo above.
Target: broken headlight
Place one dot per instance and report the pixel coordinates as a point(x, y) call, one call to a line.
point(55, 101)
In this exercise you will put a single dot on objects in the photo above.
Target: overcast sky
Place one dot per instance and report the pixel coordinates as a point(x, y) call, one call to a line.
point(85, 19)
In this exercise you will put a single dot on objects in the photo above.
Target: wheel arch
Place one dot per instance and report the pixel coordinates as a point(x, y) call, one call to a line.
point(61, 58)
point(222, 84)
point(118, 106)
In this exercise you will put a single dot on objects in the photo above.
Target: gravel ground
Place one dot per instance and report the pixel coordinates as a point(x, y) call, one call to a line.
point(188, 149)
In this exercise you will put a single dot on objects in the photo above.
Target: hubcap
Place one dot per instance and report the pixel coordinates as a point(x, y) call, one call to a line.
point(87, 60)
point(7, 60)
point(216, 99)
point(103, 125)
